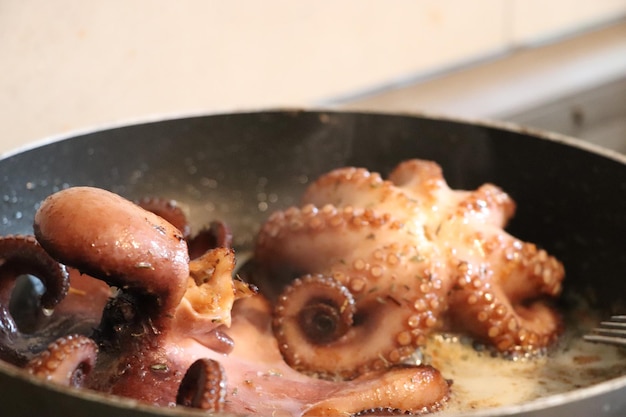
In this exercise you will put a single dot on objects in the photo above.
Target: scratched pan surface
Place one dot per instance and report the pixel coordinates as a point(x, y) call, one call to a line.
point(239, 167)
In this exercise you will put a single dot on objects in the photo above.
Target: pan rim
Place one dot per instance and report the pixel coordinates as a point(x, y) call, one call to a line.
point(556, 400)
point(487, 123)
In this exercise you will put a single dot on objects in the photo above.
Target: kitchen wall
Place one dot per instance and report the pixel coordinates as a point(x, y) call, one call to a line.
point(73, 64)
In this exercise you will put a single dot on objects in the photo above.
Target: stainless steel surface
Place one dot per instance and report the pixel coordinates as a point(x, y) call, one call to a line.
point(571, 199)
point(611, 331)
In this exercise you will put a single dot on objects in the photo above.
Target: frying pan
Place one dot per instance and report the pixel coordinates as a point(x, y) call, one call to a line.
point(240, 167)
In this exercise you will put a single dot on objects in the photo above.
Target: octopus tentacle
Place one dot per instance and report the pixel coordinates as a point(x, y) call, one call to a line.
point(217, 235)
point(264, 382)
point(489, 316)
point(357, 188)
point(168, 210)
point(505, 307)
point(67, 361)
point(401, 390)
point(21, 255)
point(371, 267)
point(528, 272)
point(203, 386)
point(404, 241)
point(114, 240)
point(488, 203)
point(315, 310)
point(8, 335)
point(425, 180)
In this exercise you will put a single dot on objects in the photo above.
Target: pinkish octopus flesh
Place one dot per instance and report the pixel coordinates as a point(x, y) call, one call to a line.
point(350, 285)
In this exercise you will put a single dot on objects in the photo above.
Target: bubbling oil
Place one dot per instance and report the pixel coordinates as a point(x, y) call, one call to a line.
point(483, 379)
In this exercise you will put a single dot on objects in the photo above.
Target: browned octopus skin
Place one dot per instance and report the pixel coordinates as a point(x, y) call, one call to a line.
point(165, 345)
point(163, 296)
point(408, 252)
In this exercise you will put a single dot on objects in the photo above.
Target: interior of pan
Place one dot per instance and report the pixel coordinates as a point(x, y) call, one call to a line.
point(240, 167)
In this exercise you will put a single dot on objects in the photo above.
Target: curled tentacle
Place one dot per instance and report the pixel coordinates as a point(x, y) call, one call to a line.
point(168, 210)
point(512, 315)
point(217, 235)
point(320, 309)
point(203, 386)
point(399, 390)
point(528, 272)
point(21, 255)
point(67, 361)
point(317, 317)
point(387, 263)
point(425, 179)
point(312, 312)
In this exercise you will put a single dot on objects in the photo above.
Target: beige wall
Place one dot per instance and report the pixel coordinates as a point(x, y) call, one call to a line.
point(74, 64)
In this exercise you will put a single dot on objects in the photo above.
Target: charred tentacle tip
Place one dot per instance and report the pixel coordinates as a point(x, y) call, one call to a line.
point(203, 386)
point(217, 235)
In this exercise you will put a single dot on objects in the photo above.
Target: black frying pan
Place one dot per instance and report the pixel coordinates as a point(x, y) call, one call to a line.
point(571, 200)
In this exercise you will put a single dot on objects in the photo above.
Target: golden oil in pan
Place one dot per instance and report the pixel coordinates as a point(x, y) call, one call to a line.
point(483, 379)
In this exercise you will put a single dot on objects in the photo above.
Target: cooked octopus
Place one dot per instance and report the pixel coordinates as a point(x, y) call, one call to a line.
point(365, 269)
point(351, 284)
point(169, 331)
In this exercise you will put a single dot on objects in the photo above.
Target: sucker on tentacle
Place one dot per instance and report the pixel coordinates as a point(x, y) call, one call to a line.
point(67, 361)
point(203, 386)
point(217, 235)
point(318, 309)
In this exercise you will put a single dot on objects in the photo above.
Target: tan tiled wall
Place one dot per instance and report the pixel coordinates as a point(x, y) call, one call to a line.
point(74, 64)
